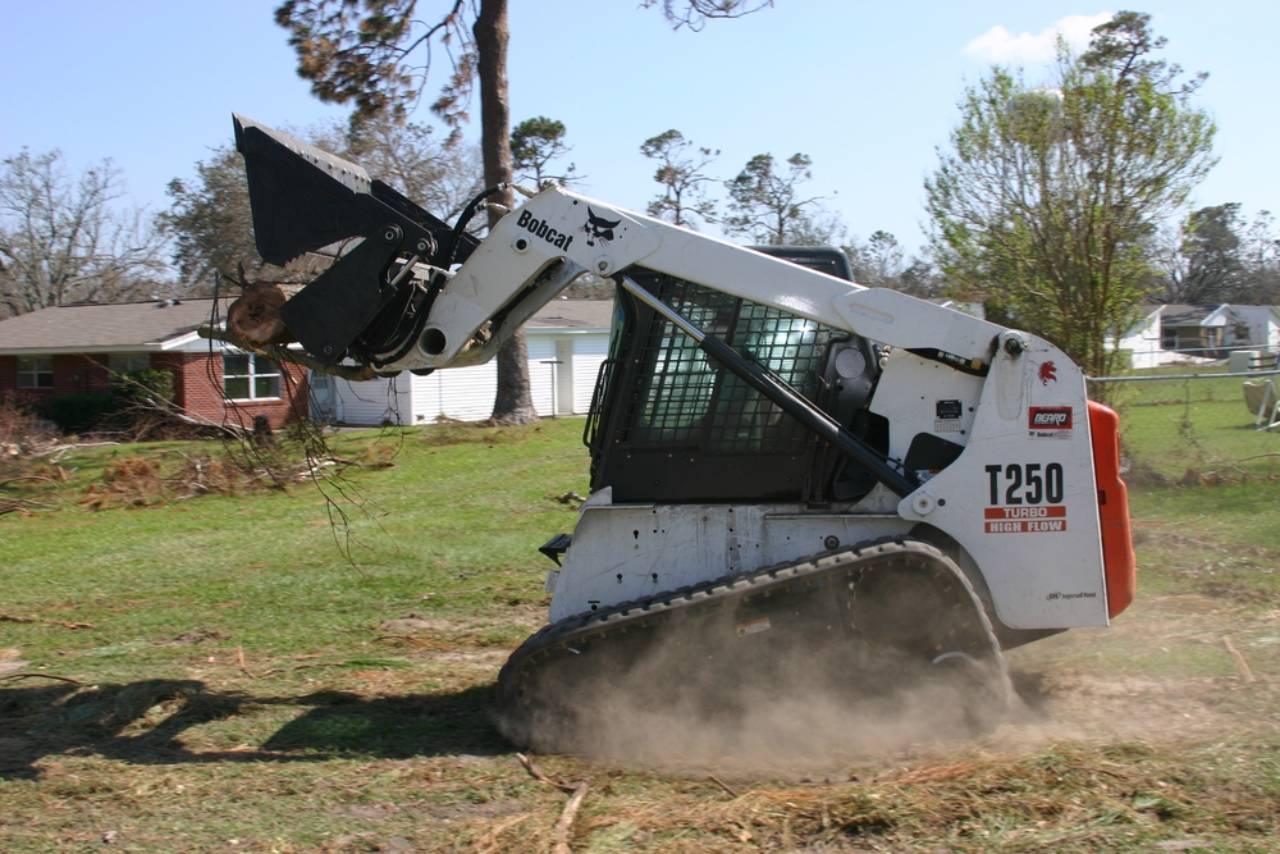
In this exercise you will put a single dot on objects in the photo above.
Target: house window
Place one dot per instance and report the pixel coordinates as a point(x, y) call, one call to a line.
point(246, 377)
point(35, 372)
point(127, 363)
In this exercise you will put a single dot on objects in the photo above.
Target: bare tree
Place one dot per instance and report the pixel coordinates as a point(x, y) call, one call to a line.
point(681, 173)
point(537, 143)
point(694, 14)
point(378, 55)
point(769, 207)
point(62, 240)
point(210, 222)
point(442, 175)
point(1261, 255)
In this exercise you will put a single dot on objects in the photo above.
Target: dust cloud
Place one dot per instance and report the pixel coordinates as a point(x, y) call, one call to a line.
point(712, 695)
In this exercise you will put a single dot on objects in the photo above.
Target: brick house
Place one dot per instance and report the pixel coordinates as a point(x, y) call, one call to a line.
point(76, 348)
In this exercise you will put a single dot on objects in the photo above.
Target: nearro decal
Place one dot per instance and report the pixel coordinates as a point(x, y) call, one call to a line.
point(1049, 421)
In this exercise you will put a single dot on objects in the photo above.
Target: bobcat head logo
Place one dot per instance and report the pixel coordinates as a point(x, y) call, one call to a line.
point(599, 228)
point(1048, 373)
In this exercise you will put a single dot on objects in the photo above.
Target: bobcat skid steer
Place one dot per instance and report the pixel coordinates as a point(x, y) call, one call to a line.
point(789, 472)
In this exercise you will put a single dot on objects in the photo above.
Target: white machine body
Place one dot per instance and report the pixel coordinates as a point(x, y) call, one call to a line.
point(1020, 500)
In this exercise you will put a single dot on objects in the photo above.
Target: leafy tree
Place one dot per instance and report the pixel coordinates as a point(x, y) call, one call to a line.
point(62, 240)
point(1260, 254)
point(769, 208)
point(1047, 199)
point(535, 144)
point(881, 263)
point(921, 279)
point(680, 172)
point(878, 263)
point(210, 224)
point(1207, 267)
point(378, 54)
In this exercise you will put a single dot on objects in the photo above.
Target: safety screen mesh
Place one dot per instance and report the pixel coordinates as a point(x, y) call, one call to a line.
point(687, 400)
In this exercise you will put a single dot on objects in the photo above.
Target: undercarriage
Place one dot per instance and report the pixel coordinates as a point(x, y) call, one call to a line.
point(860, 627)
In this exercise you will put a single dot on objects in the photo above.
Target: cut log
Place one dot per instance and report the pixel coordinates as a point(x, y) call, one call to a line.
point(255, 316)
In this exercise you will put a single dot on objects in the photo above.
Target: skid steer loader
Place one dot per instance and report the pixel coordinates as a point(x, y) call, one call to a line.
point(785, 466)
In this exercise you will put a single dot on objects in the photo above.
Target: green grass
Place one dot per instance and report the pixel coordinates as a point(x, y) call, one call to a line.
point(430, 535)
point(1170, 427)
point(238, 690)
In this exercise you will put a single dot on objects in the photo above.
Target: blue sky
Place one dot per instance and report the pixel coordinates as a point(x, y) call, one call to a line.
point(868, 90)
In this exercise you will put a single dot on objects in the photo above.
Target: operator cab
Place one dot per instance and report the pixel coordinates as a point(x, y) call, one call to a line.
point(668, 424)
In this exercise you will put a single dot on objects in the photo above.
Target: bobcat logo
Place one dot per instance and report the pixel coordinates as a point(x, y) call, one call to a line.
point(599, 228)
point(1048, 373)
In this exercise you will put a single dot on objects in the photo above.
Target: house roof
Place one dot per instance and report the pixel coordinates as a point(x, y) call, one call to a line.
point(160, 324)
point(1199, 315)
point(1181, 314)
point(574, 313)
point(99, 328)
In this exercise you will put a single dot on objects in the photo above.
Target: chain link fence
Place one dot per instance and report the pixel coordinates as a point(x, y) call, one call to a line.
point(1201, 423)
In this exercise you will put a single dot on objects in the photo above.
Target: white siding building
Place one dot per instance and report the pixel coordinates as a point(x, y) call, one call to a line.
point(567, 341)
point(1173, 334)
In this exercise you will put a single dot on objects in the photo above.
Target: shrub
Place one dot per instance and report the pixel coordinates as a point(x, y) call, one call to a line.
point(79, 412)
point(21, 430)
point(134, 387)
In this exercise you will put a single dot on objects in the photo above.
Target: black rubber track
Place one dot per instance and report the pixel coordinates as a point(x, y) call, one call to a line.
point(523, 708)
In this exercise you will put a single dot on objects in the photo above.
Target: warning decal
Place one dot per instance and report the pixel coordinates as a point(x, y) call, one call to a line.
point(1025, 520)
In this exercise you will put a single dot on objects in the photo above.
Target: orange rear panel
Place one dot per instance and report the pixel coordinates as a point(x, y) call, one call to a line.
point(1113, 509)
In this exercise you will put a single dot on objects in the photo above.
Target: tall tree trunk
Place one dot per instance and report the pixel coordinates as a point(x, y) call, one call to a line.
point(514, 402)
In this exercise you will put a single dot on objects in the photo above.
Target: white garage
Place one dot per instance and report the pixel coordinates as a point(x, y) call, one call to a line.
point(567, 341)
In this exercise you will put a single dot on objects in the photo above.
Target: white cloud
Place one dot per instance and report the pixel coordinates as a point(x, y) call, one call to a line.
point(999, 45)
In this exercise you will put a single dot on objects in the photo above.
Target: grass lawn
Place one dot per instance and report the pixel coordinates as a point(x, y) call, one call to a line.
point(1195, 429)
point(240, 686)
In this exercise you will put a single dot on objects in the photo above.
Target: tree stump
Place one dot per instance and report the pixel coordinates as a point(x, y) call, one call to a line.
point(254, 317)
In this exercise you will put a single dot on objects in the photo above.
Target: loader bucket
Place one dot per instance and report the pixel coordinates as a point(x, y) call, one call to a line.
point(304, 198)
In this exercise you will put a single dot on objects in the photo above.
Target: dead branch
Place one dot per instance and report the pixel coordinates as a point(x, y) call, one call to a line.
point(488, 843)
point(242, 664)
point(1242, 664)
point(286, 354)
point(564, 827)
point(722, 784)
point(13, 505)
point(173, 411)
point(58, 451)
point(66, 624)
point(36, 477)
point(344, 461)
point(1257, 457)
point(543, 778)
point(933, 774)
point(66, 679)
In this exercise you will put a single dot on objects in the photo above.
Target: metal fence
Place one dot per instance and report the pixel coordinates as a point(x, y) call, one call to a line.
point(1197, 425)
